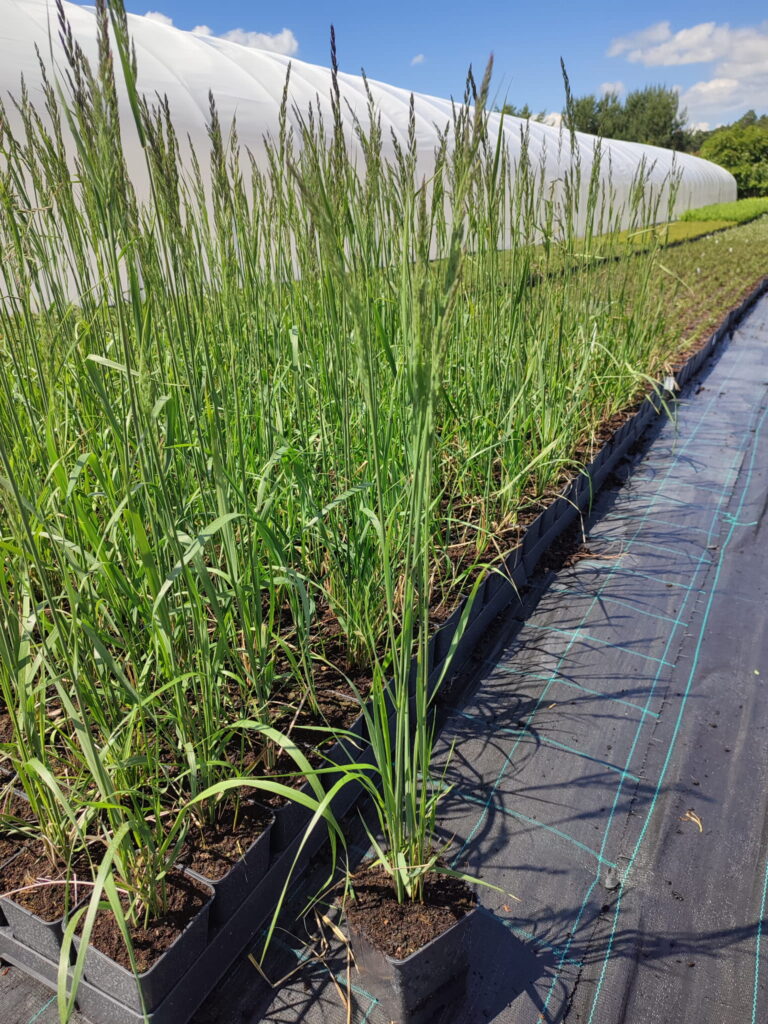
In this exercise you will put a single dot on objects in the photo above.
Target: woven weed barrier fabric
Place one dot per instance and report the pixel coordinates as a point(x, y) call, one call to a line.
point(611, 770)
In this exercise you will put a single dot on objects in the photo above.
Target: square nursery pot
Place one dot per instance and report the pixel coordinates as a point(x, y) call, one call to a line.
point(154, 984)
point(6, 859)
point(43, 937)
point(418, 989)
point(231, 891)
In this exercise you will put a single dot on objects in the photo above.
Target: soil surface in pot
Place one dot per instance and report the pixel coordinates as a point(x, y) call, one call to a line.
point(12, 806)
point(185, 900)
point(6, 727)
point(310, 728)
point(48, 901)
point(215, 849)
point(399, 929)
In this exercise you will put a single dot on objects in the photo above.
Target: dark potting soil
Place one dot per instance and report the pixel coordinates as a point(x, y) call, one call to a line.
point(399, 929)
point(310, 729)
point(185, 900)
point(212, 851)
point(12, 806)
point(6, 727)
point(565, 551)
point(53, 889)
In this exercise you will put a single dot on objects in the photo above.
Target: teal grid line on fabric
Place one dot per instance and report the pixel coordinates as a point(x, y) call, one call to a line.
point(523, 933)
point(713, 524)
point(588, 757)
point(555, 589)
point(625, 570)
point(734, 525)
point(41, 1011)
point(554, 743)
point(369, 1011)
point(471, 798)
point(682, 503)
point(563, 681)
point(588, 638)
point(643, 712)
point(758, 938)
point(665, 549)
point(634, 517)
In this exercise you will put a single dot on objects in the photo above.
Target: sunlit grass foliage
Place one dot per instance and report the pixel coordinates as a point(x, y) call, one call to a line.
point(254, 427)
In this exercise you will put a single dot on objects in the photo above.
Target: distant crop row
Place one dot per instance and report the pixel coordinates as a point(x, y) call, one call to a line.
point(741, 211)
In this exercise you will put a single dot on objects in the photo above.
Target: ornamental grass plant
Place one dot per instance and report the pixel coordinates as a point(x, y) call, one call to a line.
point(261, 421)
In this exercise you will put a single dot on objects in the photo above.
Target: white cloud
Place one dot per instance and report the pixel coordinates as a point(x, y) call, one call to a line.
point(739, 59)
point(655, 34)
point(659, 46)
point(617, 88)
point(418, 59)
point(284, 42)
point(554, 120)
point(281, 42)
point(161, 19)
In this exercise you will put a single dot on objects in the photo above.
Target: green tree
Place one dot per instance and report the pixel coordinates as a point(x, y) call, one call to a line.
point(583, 115)
point(524, 112)
point(742, 148)
point(610, 116)
point(651, 115)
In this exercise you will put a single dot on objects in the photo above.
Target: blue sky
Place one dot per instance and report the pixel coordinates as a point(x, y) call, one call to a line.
point(717, 54)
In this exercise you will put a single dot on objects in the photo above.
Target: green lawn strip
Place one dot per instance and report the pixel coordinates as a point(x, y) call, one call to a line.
point(635, 240)
point(741, 211)
point(676, 231)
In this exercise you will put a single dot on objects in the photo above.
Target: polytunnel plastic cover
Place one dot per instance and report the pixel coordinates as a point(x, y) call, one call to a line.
point(248, 83)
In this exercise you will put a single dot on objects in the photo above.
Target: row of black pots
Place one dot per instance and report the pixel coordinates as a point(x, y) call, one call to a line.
point(42, 936)
point(45, 938)
point(227, 894)
point(146, 991)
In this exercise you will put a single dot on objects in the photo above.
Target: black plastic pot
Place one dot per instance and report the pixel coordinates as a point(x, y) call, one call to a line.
point(5, 860)
point(20, 844)
point(240, 881)
point(153, 985)
point(44, 937)
point(418, 989)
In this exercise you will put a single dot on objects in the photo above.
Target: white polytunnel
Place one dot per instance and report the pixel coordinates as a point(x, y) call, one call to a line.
point(248, 85)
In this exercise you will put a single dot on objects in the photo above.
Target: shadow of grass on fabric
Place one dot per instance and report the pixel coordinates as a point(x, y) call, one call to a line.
point(503, 969)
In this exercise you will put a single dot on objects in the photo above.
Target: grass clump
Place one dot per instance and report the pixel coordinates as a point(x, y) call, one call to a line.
point(259, 428)
point(738, 212)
